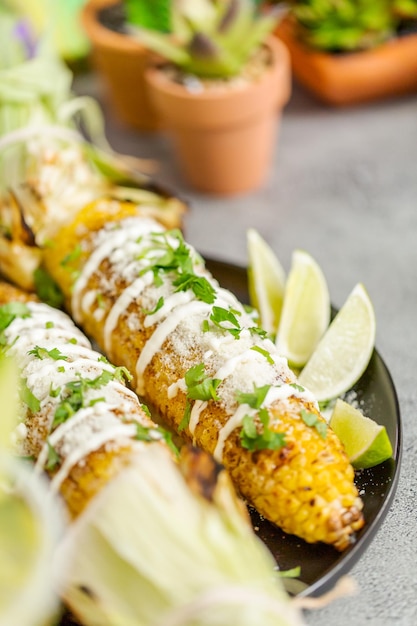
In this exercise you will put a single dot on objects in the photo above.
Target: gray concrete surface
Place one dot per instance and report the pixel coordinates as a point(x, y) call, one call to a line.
point(343, 186)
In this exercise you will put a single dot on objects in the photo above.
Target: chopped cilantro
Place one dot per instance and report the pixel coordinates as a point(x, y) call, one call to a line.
point(255, 399)
point(156, 308)
point(254, 438)
point(199, 387)
point(264, 353)
point(219, 316)
point(49, 325)
point(47, 289)
point(259, 332)
point(297, 387)
point(43, 353)
point(53, 457)
point(54, 393)
point(8, 313)
point(28, 397)
point(199, 285)
point(176, 257)
point(100, 301)
point(69, 262)
point(72, 256)
point(313, 420)
point(73, 393)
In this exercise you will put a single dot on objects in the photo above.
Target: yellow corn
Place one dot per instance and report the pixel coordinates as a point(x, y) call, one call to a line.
point(307, 486)
point(95, 468)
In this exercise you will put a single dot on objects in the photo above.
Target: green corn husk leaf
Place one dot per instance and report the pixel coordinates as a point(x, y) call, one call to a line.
point(31, 523)
point(152, 549)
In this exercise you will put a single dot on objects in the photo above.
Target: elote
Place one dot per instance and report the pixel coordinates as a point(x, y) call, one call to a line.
point(198, 358)
point(155, 540)
point(62, 377)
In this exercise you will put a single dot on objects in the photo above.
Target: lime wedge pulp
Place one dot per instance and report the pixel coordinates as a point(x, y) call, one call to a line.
point(366, 443)
point(306, 310)
point(266, 280)
point(344, 351)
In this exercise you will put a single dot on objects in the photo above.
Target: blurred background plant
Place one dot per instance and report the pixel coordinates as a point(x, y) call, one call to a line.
point(210, 39)
point(348, 25)
point(61, 18)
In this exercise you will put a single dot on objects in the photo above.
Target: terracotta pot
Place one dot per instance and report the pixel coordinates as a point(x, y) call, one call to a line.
point(225, 136)
point(351, 78)
point(121, 61)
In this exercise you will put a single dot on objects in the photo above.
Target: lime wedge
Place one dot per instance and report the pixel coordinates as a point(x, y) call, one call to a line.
point(344, 351)
point(266, 280)
point(305, 312)
point(366, 443)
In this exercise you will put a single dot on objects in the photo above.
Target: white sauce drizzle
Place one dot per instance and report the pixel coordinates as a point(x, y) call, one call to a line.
point(170, 303)
point(120, 306)
point(107, 242)
point(233, 422)
point(157, 339)
point(279, 393)
point(91, 426)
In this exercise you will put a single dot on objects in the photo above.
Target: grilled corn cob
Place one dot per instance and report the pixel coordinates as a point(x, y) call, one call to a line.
point(91, 435)
point(145, 296)
point(64, 378)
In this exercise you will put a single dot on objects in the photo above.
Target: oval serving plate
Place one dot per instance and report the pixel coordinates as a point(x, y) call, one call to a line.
point(322, 565)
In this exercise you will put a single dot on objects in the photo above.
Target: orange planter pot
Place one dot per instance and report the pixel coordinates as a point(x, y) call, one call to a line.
point(351, 78)
point(121, 61)
point(225, 136)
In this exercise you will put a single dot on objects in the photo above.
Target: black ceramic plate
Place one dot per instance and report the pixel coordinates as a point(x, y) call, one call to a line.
point(322, 565)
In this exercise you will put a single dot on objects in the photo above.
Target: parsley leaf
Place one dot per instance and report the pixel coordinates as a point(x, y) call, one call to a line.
point(72, 256)
point(43, 353)
point(9, 312)
point(219, 316)
point(73, 393)
point(158, 306)
point(254, 438)
point(47, 289)
point(53, 457)
point(313, 420)
point(264, 353)
point(297, 387)
point(199, 285)
point(176, 257)
point(199, 387)
point(28, 397)
point(255, 399)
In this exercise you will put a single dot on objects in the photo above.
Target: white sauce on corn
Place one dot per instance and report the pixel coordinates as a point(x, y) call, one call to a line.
point(161, 333)
point(232, 359)
point(99, 421)
point(122, 303)
point(108, 241)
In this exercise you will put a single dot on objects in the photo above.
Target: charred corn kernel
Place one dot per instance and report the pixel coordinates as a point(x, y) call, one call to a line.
point(197, 359)
point(80, 422)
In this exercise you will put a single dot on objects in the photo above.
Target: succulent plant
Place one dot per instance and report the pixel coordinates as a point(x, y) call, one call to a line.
point(144, 14)
point(211, 38)
point(405, 9)
point(336, 25)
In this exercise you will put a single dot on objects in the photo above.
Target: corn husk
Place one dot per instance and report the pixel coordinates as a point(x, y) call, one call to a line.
point(171, 547)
